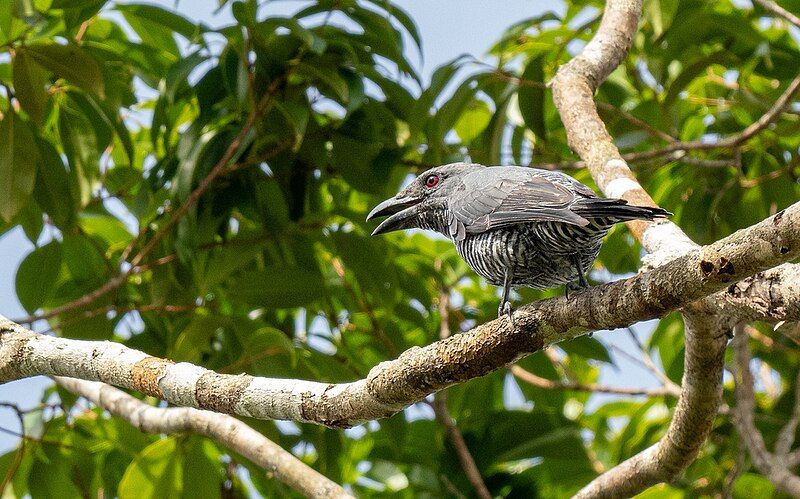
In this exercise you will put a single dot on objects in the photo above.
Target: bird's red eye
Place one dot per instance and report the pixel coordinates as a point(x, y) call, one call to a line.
point(431, 181)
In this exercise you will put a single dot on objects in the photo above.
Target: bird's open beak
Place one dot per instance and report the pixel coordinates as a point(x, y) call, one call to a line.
point(402, 213)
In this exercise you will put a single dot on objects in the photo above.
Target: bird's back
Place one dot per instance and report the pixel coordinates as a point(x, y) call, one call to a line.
point(541, 225)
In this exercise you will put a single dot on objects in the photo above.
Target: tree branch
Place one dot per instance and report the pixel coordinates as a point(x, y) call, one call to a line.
point(732, 141)
point(772, 296)
point(550, 384)
point(744, 414)
point(776, 9)
point(439, 406)
point(694, 415)
point(418, 372)
point(573, 90)
point(226, 430)
point(786, 436)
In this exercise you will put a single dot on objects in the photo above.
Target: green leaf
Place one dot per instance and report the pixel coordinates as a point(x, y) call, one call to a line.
point(268, 340)
point(531, 97)
point(473, 120)
point(749, 485)
point(72, 63)
point(52, 190)
point(71, 4)
point(83, 260)
point(106, 227)
point(279, 287)
point(58, 472)
point(18, 158)
point(29, 82)
point(325, 76)
point(223, 262)
point(157, 471)
point(166, 18)
point(37, 275)
point(203, 473)
point(82, 146)
point(586, 347)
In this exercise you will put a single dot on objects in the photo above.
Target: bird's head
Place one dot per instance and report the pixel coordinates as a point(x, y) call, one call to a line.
point(418, 205)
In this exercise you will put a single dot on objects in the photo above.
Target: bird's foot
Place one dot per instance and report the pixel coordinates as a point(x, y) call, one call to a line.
point(572, 286)
point(505, 309)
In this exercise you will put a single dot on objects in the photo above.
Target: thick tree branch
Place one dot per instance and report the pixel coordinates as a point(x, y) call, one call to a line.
point(770, 465)
point(573, 90)
point(694, 415)
point(226, 430)
point(772, 295)
point(418, 372)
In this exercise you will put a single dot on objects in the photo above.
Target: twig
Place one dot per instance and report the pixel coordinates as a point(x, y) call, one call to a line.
point(728, 142)
point(218, 169)
point(550, 384)
point(786, 436)
point(439, 406)
point(779, 11)
point(648, 361)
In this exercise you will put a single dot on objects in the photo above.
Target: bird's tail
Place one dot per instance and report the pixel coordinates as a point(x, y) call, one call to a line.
point(617, 209)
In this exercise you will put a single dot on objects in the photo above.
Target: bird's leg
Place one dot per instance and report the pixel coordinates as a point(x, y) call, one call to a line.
point(576, 260)
point(505, 305)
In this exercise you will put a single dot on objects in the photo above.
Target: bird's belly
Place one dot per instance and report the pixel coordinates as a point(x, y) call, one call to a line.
point(538, 255)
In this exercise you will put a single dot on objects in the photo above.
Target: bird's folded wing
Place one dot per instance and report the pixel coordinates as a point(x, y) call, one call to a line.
point(489, 199)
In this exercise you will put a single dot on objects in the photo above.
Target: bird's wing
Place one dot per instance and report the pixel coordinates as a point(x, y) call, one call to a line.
point(498, 196)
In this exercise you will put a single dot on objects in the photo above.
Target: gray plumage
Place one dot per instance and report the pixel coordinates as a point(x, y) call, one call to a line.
point(514, 226)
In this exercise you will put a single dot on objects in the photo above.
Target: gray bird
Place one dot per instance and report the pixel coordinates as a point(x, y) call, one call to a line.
point(514, 226)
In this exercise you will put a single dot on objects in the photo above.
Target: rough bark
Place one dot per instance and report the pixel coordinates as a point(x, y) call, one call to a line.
point(573, 89)
point(228, 431)
point(393, 385)
point(694, 415)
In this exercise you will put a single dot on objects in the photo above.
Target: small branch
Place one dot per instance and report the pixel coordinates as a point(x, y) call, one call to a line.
point(744, 418)
point(776, 9)
point(732, 141)
point(457, 439)
point(651, 365)
point(439, 406)
point(215, 172)
point(228, 431)
point(549, 384)
point(786, 436)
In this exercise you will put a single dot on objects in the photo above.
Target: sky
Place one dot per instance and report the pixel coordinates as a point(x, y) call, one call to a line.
point(448, 28)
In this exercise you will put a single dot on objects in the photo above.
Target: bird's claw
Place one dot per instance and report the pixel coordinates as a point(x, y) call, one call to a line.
point(572, 286)
point(505, 309)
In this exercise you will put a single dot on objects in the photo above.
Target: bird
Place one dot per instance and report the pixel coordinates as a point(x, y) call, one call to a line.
point(514, 226)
